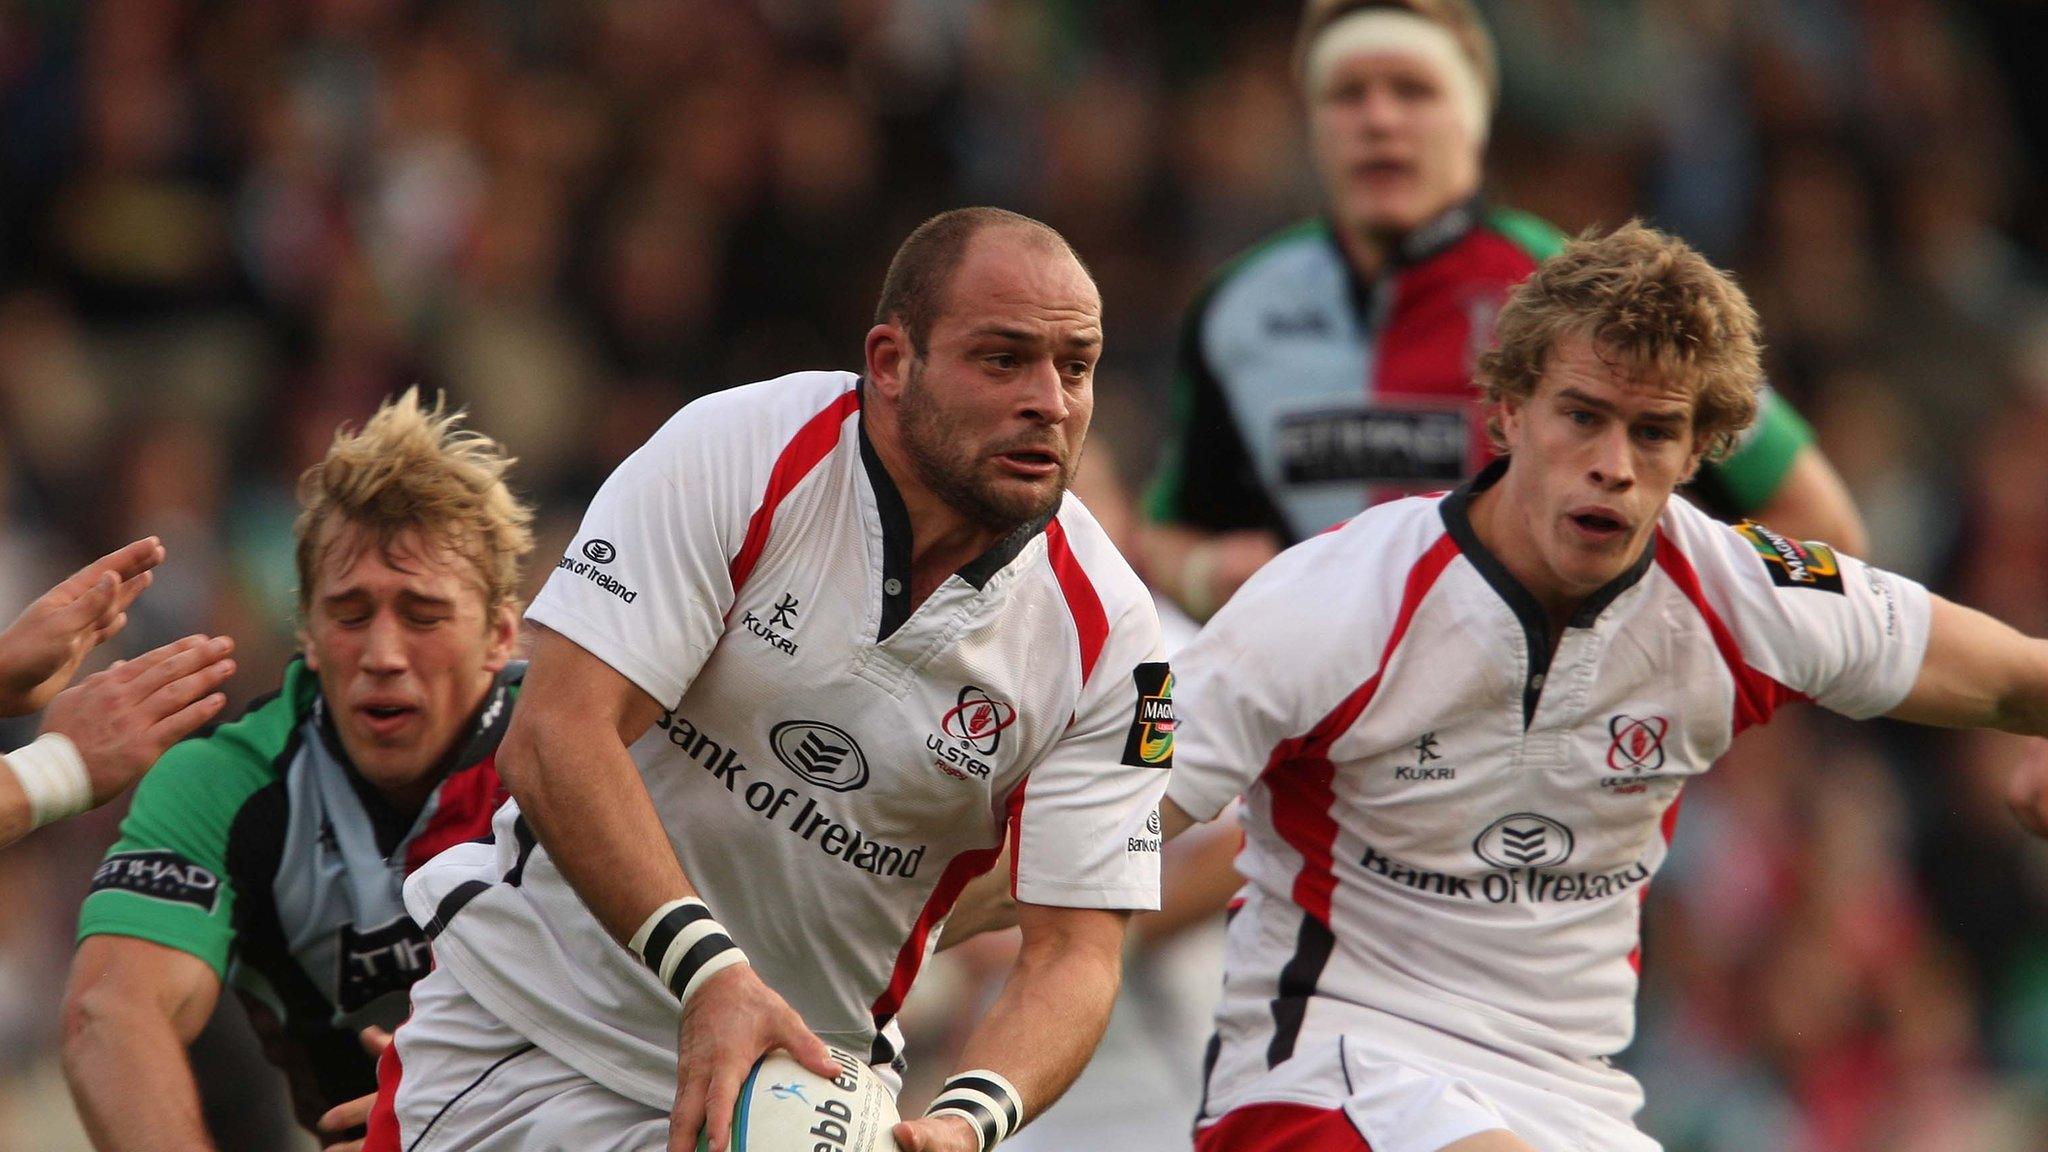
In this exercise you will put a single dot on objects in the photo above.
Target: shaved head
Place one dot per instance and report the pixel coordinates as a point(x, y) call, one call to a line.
point(915, 292)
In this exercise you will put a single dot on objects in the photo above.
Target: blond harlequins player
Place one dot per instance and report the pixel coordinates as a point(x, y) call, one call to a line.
point(819, 648)
point(1461, 724)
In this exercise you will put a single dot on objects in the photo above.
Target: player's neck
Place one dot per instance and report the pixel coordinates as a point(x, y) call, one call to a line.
point(1508, 530)
point(1366, 252)
point(942, 540)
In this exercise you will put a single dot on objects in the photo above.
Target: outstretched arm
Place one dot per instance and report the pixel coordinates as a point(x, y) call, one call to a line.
point(1981, 673)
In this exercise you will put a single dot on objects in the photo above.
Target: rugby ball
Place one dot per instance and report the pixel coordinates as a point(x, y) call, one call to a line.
point(785, 1107)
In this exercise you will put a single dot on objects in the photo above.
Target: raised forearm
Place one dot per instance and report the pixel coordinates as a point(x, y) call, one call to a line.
point(130, 1078)
point(1045, 1025)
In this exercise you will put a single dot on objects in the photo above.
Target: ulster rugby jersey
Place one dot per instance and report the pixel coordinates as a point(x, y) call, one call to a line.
point(832, 767)
point(1448, 824)
point(259, 850)
point(1302, 393)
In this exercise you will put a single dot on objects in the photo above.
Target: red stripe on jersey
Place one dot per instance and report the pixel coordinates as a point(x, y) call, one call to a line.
point(1282, 1128)
point(1757, 695)
point(1429, 346)
point(1091, 624)
point(1668, 825)
point(1300, 773)
point(383, 1131)
point(811, 444)
point(463, 808)
point(959, 871)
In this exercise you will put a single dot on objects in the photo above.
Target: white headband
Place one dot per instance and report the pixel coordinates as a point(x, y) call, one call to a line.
point(1378, 30)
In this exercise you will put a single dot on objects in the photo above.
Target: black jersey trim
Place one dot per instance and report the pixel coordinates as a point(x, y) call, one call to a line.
point(454, 902)
point(1313, 947)
point(1210, 1055)
point(897, 539)
point(1456, 510)
point(983, 568)
point(522, 835)
point(896, 536)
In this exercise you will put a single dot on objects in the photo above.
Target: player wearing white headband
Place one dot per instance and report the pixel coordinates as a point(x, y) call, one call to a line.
point(1330, 368)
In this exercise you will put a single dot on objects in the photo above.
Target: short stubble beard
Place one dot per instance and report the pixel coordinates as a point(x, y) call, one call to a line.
point(946, 462)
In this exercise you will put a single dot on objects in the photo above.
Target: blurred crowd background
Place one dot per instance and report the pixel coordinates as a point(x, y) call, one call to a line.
point(227, 226)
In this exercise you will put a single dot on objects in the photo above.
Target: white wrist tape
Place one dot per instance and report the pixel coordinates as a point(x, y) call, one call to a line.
point(685, 946)
point(52, 775)
point(984, 1099)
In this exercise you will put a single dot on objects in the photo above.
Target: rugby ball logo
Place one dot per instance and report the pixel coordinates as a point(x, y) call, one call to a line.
point(784, 1107)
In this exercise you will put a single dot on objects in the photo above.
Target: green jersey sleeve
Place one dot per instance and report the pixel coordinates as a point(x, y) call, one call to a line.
point(1751, 475)
point(1533, 235)
point(166, 879)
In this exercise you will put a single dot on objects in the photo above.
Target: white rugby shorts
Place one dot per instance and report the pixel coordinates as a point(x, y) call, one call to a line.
point(457, 1079)
point(1410, 1088)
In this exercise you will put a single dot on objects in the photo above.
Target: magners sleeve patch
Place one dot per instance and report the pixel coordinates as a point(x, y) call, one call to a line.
point(1150, 744)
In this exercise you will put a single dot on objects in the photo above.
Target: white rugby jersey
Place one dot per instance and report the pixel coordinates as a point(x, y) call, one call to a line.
point(1447, 825)
point(832, 768)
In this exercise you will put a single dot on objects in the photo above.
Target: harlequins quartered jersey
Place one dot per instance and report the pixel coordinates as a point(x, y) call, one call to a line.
point(831, 766)
point(259, 850)
point(1303, 394)
point(1449, 823)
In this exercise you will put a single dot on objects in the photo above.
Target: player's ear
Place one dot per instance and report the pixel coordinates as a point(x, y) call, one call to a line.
point(1700, 445)
point(889, 353)
point(503, 640)
point(1505, 422)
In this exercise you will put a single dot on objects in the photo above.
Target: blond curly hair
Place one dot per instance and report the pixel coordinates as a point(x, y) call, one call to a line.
point(1654, 308)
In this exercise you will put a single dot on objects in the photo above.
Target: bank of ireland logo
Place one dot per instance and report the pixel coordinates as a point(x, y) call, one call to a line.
point(978, 719)
point(820, 753)
point(1637, 744)
point(1525, 840)
point(599, 551)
